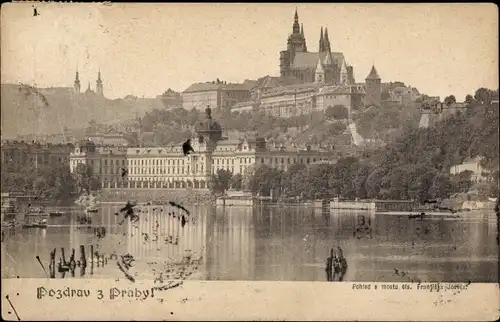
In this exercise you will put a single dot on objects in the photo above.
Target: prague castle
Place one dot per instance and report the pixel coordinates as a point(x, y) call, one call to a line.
point(322, 66)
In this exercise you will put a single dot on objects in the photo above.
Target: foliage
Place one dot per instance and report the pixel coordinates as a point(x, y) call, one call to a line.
point(449, 100)
point(414, 166)
point(220, 181)
point(388, 121)
point(237, 182)
point(85, 179)
point(484, 95)
point(338, 112)
point(52, 182)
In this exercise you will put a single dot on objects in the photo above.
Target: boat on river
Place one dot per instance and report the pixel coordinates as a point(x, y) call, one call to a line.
point(57, 213)
point(35, 222)
point(92, 209)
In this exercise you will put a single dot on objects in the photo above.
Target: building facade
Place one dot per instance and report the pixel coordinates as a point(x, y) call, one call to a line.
point(170, 98)
point(349, 96)
point(106, 162)
point(167, 167)
point(18, 154)
point(292, 100)
point(215, 94)
point(479, 174)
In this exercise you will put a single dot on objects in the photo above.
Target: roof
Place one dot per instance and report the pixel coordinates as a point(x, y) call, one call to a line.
point(237, 87)
point(202, 87)
point(373, 74)
point(304, 60)
point(290, 89)
point(342, 89)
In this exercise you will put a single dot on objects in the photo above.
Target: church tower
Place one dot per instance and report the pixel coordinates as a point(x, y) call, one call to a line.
point(326, 42)
point(373, 86)
point(319, 75)
point(98, 84)
point(344, 79)
point(296, 42)
point(76, 84)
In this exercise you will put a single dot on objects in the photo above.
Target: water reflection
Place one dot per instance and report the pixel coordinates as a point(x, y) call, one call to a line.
point(265, 243)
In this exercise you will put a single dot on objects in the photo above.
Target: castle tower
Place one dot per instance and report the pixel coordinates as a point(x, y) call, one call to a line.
point(98, 84)
point(343, 74)
point(326, 42)
point(350, 75)
point(319, 75)
point(374, 85)
point(321, 42)
point(296, 27)
point(76, 84)
point(295, 43)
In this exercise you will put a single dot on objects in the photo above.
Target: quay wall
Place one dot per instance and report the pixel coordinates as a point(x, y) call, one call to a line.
point(184, 196)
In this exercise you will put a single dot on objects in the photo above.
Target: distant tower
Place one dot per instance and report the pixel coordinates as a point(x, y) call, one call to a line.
point(326, 42)
point(374, 85)
point(350, 75)
point(344, 79)
point(319, 75)
point(98, 84)
point(76, 85)
point(321, 42)
point(296, 42)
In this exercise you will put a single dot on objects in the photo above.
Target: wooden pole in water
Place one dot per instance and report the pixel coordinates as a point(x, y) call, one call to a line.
point(91, 259)
point(63, 256)
point(83, 259)
point(52, 265)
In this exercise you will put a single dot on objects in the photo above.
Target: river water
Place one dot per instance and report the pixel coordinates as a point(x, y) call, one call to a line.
point(271, 243)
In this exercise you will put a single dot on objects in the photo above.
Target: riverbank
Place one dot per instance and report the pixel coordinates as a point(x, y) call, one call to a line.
point(182, 196)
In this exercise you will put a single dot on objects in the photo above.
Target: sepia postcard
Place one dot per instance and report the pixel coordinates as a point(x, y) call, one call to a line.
point(249, 161)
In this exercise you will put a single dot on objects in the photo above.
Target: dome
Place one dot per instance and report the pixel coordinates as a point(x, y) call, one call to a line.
point(208, 124)
point(85, 143)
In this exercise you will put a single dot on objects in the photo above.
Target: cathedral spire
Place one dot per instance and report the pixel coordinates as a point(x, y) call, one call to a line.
point(296, 26)
point(326, 41)
point(321, 42)
point(76, 84)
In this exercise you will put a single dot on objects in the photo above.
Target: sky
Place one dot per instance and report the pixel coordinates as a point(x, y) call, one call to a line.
point(144, 49)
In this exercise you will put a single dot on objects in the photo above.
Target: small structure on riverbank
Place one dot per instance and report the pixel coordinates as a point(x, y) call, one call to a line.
point(352, 205)
point(241, 198)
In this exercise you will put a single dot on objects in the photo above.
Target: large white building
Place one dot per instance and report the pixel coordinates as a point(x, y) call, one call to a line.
point(479, 173)
point(167, 167)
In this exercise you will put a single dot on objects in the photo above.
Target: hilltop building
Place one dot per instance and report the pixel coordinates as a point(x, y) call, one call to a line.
point(216, 94)
point(99, 88)
point(323, 66)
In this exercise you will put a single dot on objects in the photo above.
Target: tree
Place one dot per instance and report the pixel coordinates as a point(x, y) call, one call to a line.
point(483, 95)
point(450, 100)
point(338, 112)
point(219, 182)
point(462, 182)
point(83, 174)
point(385, 96)
point(469, 99)
point(264, 179)
point(237, 182)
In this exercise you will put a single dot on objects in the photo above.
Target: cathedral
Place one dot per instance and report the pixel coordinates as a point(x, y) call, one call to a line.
point(98, 86)
point(324, 66)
